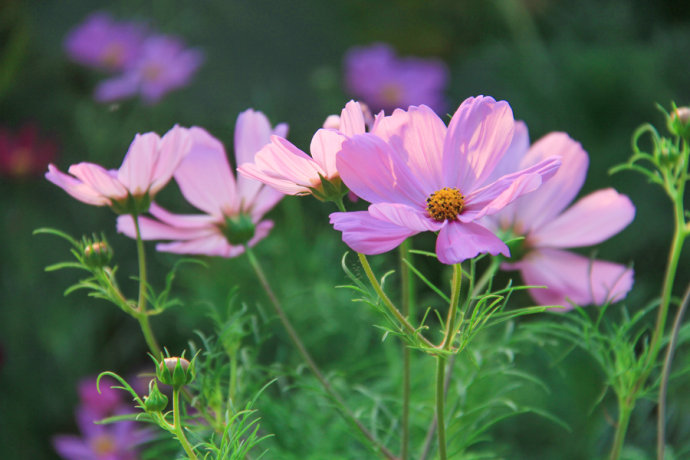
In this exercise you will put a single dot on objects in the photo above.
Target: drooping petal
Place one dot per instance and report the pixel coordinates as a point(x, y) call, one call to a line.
point(190, 221)
point(493, 197)
point(479, 134)
point(152, 229)
point(99, 179)
point(542, 206)
point(261, 231)
point(352, 119)
point(372, 170)
point(72, 447)
point(204, 176)
point(367, 234)
point(284, 167)
point(416, 136)
point(459, 241)
point(173, 147)
point(76, 188)
point(213, 244)
point(136, 172)
point(404, 216)
point(515, 153)
point(324, 146)
point(264, 201)
point(574, 279)
point(252, 132)
point(591, 220)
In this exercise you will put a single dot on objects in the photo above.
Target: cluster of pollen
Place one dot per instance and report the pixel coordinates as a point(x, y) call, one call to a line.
point(445, 204)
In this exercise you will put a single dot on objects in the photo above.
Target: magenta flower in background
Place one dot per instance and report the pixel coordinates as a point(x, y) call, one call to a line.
point(548, 227)
point(104, 43)
point(385, 81)
point(147, 167)
point(421, 176)
point(102, 403)
point(287, 169)
point(234, 208)
point(164, 64)
point(24, 153)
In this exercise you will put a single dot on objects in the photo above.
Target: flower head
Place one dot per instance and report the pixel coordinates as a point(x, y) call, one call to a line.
point(24, 154)
point(377, 76)
point(548, 227)
point(104, 43)
point(287, 169)
point(164, 64)
point(233, 208)
point(420, 176)
point(147, 167)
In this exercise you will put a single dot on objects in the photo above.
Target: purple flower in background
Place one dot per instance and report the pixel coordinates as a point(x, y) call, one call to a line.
point(165, 64)
point(104, 43)
point(375, 75)
point(100, 404)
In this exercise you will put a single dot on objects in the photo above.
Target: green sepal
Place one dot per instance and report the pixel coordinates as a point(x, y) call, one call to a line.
point(155, 401)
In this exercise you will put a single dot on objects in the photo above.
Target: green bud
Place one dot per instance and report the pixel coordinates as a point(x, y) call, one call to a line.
point(175, 371)
point(155, 401)
point(678, 122)
point(97, 253)
point(238, 229)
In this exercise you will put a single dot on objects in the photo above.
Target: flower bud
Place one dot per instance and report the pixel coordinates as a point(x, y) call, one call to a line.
point(239, 229)
point(679, 122)
point(175, 371)
point(97, 253)
point(332, 122)
point(155, 401)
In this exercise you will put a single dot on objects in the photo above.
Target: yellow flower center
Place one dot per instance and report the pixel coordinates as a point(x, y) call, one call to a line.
point(103, 444)
point(445, 204)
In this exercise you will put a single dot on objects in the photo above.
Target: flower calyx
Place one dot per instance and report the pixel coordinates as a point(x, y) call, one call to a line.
point(238, 229)
point(331, 189)
point(155, 401)
point(175, 371)
point(96, 252)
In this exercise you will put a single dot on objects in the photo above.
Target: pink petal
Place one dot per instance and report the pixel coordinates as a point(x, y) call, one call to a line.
point(252, 132)
point(403, 215)
point(459, 241)
point(324, 146)
point(76, 188)
point(542, 206)
point(99, 179)
point(187, 221)
point(175, 145)
point(574, 278)
point(352, 119)
point(479, 134)
point(591, 220)
point(136, 171)
point(261, 231)
point(204, 176)
point(492, 198)
point(155, 230)
point(281, 130)
point(272, 179)
point(417, 137)
point(371, 169)
point(264, 201)
point(515, 154)
point(368, 235)
point(213, 244)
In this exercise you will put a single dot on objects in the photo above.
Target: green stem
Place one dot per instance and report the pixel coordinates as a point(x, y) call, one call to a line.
point(148, 335)
point(177, 423)
point(440, 402)
point(297, 342)
point(665, 373)
point(625, 410)
point(140, 313)
point(407, 288)
point(453, 307)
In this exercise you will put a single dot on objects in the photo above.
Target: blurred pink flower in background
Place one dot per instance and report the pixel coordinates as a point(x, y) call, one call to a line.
point(234, 208)
point(548, 227)
point(103, 43)
point(289, 170)
point(24, 154)
point(377, 76)
point(147, 167)
point(164, 64)
point(421, 176)
point(147, 64)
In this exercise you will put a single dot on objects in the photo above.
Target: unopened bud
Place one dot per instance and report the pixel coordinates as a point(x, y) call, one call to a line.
point(679, 122)
point(97, 253)
point(175, 371)
point(155, 401)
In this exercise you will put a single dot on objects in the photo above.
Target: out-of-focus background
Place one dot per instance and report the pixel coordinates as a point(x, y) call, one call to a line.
point(592, 68)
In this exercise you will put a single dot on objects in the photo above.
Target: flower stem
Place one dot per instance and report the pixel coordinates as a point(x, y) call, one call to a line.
point(140, 313)
point(624, 411)
point(297, 342)
point(407, 288)
point(453, 307)
point(440, 402)
point(663, 386)
point(177, 423)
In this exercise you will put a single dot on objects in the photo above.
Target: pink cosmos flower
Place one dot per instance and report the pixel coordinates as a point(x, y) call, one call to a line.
point(421, 176)
point(548, 227)
point(234, 208)
point(287, 169)
point(147, 167)
point(164, 64)
point(385, 81)
point(104, 43)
